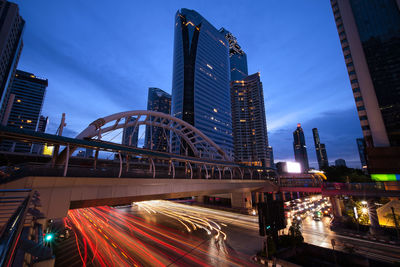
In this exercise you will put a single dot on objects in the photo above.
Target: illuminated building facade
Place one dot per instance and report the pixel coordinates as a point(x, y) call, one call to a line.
point(11, 30)
point(320, 149)
point(369, 32)
point(200, 83)
point(29, 91)
point(300, 149)
point(157, 138)
point(250, 137)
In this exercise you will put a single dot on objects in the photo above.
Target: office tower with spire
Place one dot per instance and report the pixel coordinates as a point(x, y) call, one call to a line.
point(200, 82)
point(300, 149)
point(320, 150)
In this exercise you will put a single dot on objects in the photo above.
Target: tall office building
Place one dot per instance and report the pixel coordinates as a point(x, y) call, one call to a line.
point(130, 135)
point(29, 91)
point(369, 32)
point(158, 138)
point(237, 57)
point(361, 152)
point(200, 83)
point(37, 148)
point(300, 149)
point(250, 137)
point(11, 30)
point(320, 150)
point(42, 124)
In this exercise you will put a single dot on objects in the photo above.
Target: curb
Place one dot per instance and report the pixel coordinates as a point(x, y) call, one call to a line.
point(368, 238)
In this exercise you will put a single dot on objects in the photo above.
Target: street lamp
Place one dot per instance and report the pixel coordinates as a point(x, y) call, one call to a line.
point(364, 210)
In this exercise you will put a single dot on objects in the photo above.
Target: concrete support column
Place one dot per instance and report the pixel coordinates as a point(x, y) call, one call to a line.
point(257, 197)
point(337, 210)
point(241, 200)
point(262, 197)
point(283, 196)
point(373, 217)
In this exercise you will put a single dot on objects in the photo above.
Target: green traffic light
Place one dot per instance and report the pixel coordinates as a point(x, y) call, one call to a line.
point(49, 237)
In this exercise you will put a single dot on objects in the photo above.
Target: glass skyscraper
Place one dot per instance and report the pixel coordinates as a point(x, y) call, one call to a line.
point(369, 32)
point(11, 30)
point(361, 152)
point(200, 83)
point(157, 138)
point(320, 149)
point(237, 57)
point(29, 91)
point(300, 149)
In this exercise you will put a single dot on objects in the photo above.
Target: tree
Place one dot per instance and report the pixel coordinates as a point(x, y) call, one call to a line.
point(343, 174)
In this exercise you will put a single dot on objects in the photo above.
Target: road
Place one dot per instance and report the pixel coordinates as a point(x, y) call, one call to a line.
point(162, 233)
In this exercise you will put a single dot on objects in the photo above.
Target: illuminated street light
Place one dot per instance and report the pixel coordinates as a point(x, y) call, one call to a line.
point(364, 210)
point(364, 202)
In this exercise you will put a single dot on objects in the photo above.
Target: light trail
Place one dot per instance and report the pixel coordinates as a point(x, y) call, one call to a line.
point(118, 238)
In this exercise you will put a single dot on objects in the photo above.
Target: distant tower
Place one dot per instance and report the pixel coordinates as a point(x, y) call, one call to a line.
point(320, 150)
point(42, 124)
point(200, 82)
point(11, 30)
point(340, 163)
point(130, 134)
point(300, 149)
point(29, 91)
point(157, 138)
point(248, 120)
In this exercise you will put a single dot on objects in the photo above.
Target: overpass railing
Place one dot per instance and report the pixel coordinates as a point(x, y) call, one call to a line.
point(113, 169)
point(378, 186)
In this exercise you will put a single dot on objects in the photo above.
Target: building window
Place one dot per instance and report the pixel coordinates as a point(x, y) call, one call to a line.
point(359, 98)
point(354, 81)
point(352, 72)
point(363, 118)
point(356, 90)
point(346, 48)
point(366, 127)
point(360, 108)
point(347, 56)
point(343, 41)
point(343, 33)
point(350, 64)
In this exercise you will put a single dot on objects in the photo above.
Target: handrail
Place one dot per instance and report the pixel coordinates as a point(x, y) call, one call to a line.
point(11, 232)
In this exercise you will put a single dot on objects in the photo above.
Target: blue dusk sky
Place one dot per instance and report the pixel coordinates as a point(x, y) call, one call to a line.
point(100, 57)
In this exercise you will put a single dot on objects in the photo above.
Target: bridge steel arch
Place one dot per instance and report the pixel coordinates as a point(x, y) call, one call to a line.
point(196, 140)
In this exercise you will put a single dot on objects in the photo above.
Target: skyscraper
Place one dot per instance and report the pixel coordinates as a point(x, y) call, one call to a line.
point(11, 30)
point(369, 32)
point(361, 152)
point(29, 91)
point(300, 149)
point(320, 150)
point(157, 138)
point(237, 57)
point(248, 120)
point(200, 83)
point(130, 135)
point(37, 148)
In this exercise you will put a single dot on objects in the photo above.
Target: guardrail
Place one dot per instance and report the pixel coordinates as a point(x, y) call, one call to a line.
point(11, 231)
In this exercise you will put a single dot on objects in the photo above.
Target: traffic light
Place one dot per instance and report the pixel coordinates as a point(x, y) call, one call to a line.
point(48, 237)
